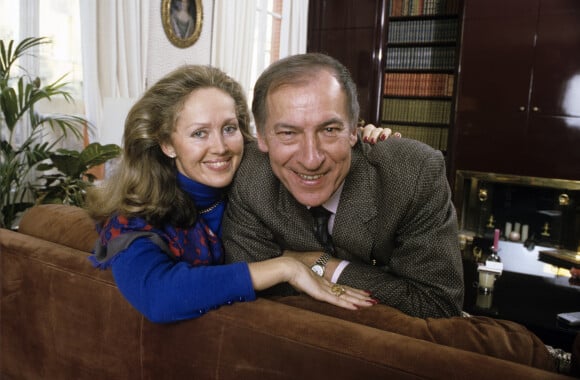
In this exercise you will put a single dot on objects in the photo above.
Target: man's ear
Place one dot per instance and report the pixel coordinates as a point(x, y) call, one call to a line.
point(168, 150)
point(262, 143)
point(353, 136)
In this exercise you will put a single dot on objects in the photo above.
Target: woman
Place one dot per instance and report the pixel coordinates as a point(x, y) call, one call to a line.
point(182, 14)
point(159, 217)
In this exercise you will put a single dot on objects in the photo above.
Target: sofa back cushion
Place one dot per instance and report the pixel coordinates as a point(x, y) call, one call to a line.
point(67, 225)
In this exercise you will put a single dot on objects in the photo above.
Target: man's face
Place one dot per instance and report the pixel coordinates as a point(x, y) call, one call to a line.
point(308, 137)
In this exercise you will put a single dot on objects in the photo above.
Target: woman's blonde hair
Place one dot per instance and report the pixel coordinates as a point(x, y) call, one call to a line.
point(145, 181)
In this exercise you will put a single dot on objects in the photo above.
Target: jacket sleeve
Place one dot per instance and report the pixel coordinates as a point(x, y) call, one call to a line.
point(423, 275)
point(164, 290)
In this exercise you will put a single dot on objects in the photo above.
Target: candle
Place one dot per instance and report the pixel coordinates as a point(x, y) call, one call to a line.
point(525, 231)
point(496, 240)
point(508, 229)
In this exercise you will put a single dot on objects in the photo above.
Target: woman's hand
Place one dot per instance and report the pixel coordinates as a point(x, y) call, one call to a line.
point(371, 134)
point(306, 281)
point(287, 269)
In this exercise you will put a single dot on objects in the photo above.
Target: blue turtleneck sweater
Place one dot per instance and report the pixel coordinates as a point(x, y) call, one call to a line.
point(164, 290)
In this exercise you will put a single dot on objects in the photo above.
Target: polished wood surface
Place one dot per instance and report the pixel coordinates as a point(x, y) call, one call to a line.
point(518, 103)
point(354, 32)
point(529, 292)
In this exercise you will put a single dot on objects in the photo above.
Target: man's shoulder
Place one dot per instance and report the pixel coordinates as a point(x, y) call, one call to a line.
point(397, 153)
point(254, 168)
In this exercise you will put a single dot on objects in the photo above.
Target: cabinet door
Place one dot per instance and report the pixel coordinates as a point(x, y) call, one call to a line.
point(495, 67)
point(554, 125)
point(556, 80)
point(518, 106)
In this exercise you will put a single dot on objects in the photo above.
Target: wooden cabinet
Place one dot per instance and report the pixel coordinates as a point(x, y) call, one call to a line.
point(352, 32)
point(518, 97)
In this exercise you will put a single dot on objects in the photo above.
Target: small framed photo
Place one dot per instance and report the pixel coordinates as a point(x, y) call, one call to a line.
point(182, 21)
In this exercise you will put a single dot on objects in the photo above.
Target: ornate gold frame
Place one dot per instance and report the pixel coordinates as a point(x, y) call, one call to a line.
point(170, 31)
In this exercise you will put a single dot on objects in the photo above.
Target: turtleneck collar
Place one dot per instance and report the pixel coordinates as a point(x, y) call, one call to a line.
point(204, 196)
point(210, 201)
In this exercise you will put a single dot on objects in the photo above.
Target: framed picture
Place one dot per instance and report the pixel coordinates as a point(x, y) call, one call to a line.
point(182, 20)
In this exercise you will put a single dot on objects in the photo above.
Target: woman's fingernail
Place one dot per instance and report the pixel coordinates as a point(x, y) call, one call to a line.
point(383, 137)
point(365, 139)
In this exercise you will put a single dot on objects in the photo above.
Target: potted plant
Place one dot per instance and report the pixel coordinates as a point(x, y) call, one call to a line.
point(23, 160)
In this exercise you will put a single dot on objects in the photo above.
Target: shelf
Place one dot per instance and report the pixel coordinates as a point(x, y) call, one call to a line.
point(449, 16)
point(435, 71)
point(421, 44)
point(416, 124)
point(418, 97)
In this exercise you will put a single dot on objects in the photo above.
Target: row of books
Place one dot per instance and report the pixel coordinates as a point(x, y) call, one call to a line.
point(416, 110)
point(421, 57)
point(418, 84)
point(413, 31)
point(433, 136)
point(399, 8)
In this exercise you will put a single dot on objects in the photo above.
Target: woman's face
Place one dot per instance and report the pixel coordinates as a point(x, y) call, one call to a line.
point(207, 143)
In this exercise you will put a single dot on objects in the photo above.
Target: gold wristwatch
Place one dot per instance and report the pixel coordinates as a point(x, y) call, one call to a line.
point(320, 265)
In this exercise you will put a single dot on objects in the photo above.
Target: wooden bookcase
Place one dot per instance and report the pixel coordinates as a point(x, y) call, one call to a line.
point(420, 67)
point(402, 55)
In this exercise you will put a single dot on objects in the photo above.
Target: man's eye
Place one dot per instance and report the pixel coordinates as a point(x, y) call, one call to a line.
point(285, 135)
point(331, 130)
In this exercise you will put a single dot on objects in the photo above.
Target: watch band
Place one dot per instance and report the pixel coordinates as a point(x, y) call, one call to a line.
point(320, 265)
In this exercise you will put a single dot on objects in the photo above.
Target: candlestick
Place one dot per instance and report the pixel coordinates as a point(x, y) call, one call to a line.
point(496, 240)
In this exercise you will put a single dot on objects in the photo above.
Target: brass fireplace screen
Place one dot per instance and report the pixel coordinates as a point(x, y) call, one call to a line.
point(542, 211)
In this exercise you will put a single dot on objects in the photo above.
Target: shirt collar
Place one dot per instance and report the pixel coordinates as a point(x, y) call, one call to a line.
point(332, 203)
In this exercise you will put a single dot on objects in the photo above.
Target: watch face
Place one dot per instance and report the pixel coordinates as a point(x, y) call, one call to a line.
point(318, 269)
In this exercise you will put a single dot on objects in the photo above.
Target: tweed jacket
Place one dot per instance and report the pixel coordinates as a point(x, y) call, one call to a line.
point(395, 223)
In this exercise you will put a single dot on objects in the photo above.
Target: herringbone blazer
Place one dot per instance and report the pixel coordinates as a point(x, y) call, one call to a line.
point(395, 223)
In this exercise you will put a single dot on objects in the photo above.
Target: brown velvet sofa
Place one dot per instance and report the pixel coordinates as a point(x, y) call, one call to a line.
point(63, 319)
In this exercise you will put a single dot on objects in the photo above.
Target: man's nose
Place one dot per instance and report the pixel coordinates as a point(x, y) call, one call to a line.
point(312, 154)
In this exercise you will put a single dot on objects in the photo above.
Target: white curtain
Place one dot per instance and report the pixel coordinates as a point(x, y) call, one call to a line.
point(114, 43)
point(233, 40)
point(294, 33)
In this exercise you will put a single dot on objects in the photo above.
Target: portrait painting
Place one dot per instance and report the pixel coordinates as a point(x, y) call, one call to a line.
point(182, 21)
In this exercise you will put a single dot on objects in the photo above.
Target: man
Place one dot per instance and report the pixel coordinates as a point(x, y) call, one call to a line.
point(393, 226)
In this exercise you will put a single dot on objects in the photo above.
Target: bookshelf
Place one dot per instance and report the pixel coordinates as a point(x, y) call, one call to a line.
point(420, 68)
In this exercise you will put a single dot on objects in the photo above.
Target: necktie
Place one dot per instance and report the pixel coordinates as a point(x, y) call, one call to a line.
point(321, 216)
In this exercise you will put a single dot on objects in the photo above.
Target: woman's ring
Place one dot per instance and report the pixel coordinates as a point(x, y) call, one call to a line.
point(337, 290)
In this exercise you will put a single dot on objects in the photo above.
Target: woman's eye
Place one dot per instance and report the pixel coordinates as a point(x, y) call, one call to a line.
point(198, 134)
point(229, 129)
